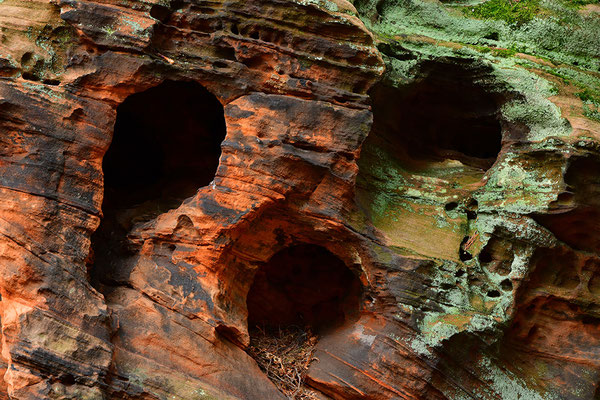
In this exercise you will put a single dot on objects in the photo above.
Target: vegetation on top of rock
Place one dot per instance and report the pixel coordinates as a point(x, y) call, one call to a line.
point(580, 3)
point(591, 103)
point(511, 11)
point(544, 28)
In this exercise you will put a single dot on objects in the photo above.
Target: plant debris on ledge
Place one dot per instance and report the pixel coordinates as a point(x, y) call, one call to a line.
point(285, 354)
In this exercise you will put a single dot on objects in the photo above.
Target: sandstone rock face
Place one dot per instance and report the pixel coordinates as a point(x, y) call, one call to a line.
point(174, 172)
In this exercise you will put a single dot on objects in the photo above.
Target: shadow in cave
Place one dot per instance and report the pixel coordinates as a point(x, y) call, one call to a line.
point(304, 286)
point(442, 130)
point(166, 145)
point(446, 114)
point(574, 218)
point(300, 294)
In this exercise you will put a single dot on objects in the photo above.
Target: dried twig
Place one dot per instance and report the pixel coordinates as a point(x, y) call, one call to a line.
point(285, 354)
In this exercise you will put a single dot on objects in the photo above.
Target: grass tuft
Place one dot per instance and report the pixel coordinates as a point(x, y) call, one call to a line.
point(512, 11)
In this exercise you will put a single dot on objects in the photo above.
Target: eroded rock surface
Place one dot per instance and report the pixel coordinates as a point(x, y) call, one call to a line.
point(423, 196)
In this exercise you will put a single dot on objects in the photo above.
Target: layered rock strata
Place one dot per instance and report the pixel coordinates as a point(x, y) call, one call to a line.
point(162, 162)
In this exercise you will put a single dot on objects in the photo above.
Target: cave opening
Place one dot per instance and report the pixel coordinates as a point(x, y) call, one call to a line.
point(448, 113)
point(166, 145)
point(302, 293)
point(305, 286)
point(574, 217)
point(434, 137)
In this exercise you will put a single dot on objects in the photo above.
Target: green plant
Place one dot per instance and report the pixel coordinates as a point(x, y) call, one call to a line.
point(591, 111)
point(512, 11)
point(109, 30)
point(504, 52)
point(481, 49)
point(587, 96)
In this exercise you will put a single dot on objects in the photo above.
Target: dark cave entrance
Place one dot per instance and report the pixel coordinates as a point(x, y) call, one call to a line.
point(443, 130)
point(166, 145)
point(304, 286)
point(300, 294)
point(449, 113)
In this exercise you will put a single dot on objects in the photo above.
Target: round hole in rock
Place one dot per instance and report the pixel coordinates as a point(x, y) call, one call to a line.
point(464, 255)
point(160, 12)
point(506, 285)
point(450, 112)
point(166, 145)
point(451, 206)
point(485, 257)
point(304, 286)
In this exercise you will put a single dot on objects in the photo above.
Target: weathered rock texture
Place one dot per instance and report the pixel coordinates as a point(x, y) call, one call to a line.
point(443, 199)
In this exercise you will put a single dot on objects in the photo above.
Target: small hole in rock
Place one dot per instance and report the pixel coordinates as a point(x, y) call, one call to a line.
point(220, 64)
point(254, 35)
point(506, 285)
point(471, 215)
point(493, 293)
point(30, 77)
point(234, 29)
point(160, 13)
point(485, 257)
point(565, 198)
point(67, 380)
point(451, 206)
point(225, 53)
point(464, 255)
point(27, 58)
point(492, 36)
point(51, 82)
point(459, 273)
